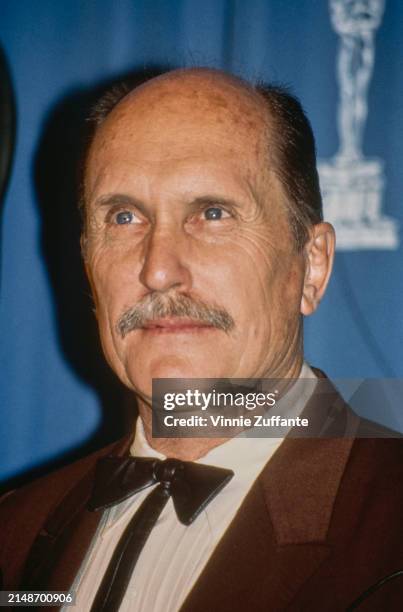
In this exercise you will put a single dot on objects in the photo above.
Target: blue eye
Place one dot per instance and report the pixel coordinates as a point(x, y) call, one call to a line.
point(124, 217)
point(213, 213)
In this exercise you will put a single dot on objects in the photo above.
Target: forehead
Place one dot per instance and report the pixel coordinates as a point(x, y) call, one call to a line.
point(164, 123)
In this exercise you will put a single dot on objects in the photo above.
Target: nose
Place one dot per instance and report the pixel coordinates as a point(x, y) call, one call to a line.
point(164, 265)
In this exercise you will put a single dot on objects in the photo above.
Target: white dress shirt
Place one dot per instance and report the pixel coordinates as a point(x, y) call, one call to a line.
point(175, 555)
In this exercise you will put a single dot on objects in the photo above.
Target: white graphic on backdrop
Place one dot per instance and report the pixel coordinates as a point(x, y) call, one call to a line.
point(352, 185)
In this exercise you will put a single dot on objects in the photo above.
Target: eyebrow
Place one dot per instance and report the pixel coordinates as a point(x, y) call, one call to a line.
point(119, 199)
point(213, 200)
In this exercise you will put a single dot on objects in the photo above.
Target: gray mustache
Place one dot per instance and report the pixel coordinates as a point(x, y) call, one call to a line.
point(158, 306)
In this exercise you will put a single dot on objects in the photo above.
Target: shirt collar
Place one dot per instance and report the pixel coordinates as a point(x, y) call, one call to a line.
point(245, 455)
point(232, 454)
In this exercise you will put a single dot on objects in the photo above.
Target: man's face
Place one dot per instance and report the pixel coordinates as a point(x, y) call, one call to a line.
point(187, 228)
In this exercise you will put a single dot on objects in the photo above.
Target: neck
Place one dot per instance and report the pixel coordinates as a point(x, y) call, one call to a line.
point(185, 449)
point(191, 449)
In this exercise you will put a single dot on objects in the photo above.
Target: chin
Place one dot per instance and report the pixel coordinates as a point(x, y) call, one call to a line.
point(177, 370)
point(171, 367)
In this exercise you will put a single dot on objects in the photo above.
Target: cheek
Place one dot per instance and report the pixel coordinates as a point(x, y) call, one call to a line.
point(110, 269)
point(269, 280)
point(113, 292)
point(258, 266)
point(113, 288)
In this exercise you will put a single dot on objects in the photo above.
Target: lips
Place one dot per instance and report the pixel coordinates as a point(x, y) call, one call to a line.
point(175, 324)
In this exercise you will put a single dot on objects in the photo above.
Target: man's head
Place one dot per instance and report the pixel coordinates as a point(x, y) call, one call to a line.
point(203, 236)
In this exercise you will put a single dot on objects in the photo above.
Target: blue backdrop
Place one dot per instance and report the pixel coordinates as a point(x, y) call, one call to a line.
point(54, 388)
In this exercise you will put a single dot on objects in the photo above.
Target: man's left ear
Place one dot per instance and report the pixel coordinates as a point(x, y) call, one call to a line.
point(319, 254)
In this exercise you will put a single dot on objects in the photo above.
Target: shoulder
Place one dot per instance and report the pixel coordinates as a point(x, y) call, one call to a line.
point(372, 478)
point(24, 511)
point(367, 455)
point(49, 488)
point(376, 462)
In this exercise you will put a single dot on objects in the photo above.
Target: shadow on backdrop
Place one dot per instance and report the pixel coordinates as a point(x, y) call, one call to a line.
point(7, 125)
point(56, 176)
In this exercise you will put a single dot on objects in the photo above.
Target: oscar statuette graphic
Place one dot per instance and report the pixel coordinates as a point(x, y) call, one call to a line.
point(352, 184)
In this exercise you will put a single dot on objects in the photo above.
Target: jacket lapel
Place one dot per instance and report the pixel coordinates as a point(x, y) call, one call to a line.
point(248, 569)
point(277, 540)
point(274, 544)
point(62, 543)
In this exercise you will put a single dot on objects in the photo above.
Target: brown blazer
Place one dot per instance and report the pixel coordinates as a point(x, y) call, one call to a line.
point(321, 524)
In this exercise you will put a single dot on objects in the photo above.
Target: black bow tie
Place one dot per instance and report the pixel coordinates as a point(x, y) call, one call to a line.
point(191, 485)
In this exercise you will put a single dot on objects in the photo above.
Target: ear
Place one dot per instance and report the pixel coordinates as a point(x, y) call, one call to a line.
point(319, 254)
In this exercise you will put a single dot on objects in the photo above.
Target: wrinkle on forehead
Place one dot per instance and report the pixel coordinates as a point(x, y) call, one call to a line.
point(201, 107)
